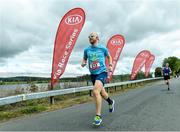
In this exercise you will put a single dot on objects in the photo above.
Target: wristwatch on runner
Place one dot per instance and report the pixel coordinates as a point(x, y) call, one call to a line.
point(110, 65)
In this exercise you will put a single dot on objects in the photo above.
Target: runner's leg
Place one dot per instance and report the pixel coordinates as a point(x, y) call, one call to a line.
point(106, 96)
point(97, 96)
point(168, 84)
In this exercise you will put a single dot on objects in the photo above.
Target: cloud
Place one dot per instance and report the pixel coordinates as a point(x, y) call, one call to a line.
point(28, 29)
point(152, 17)
point(22, 27)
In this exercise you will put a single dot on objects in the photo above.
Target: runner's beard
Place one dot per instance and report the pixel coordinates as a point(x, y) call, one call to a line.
point(93, 41)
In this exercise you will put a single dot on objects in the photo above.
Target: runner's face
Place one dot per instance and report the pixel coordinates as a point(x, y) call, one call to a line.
point(167, 64)
point(93, 39)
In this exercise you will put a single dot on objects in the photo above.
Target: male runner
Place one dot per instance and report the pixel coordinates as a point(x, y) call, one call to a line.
point(166, 74)
point(96, 55)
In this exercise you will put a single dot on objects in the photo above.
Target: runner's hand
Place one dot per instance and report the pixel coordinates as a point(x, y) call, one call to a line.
point(83, 64)
point(110, 69)
point(108, 80)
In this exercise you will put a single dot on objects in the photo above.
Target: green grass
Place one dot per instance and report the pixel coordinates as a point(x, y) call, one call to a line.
point(36, 106)
point(8, 115)
point(12, 83)
point(33, 109)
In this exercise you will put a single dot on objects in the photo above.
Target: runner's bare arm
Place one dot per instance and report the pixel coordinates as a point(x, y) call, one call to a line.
point(110, 62)
point(84, 62)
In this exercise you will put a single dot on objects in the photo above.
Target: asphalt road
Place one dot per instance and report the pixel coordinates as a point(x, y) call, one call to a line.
point(148, 108)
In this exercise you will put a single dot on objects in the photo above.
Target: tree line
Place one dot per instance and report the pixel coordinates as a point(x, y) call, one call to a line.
point(174, 64)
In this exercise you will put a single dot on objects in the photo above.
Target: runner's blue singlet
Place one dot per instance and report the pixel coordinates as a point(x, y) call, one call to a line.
point(96, 58)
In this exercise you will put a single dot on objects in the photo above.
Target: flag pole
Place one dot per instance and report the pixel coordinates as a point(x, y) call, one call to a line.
point(52, 97)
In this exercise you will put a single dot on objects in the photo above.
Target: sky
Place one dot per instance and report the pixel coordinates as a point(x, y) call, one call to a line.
point(28, 29)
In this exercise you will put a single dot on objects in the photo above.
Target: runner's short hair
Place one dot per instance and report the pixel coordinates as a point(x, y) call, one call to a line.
point(94, 34)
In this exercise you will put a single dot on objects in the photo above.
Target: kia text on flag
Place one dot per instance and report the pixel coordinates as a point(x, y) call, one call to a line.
point(67, 34)
point(115, 46)
point(148, 64)
point(139, 62)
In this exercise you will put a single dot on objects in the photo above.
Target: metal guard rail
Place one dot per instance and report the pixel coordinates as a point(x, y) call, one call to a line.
point(38, 95)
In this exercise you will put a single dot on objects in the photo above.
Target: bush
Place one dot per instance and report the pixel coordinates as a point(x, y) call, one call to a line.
point(33, 88)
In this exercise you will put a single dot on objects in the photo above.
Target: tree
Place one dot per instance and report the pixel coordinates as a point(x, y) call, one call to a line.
point(140, 75)
point(174, 64)
point(158, 72)
point(177, 67)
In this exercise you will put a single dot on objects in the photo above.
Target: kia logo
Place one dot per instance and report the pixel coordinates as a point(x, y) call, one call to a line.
point(144, 55)
point(116, 42)
point(73, 19)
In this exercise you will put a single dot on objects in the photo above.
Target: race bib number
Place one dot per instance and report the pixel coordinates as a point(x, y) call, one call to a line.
point(94, 65)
